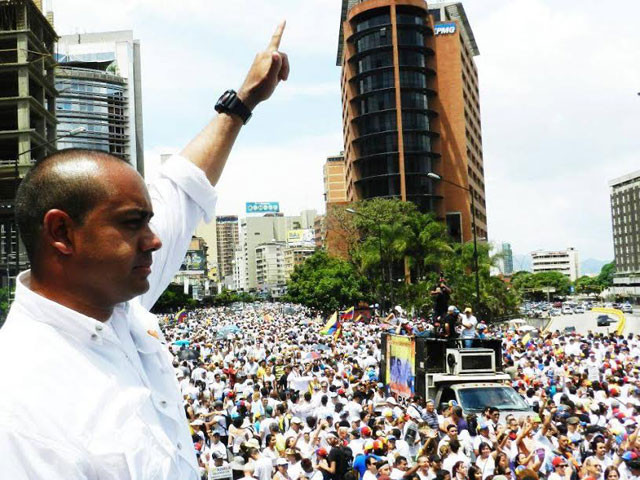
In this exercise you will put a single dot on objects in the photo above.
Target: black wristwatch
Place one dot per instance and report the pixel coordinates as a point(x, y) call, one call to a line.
point(230, 103)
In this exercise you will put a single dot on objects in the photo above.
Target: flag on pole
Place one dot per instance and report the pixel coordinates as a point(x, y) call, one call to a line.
point(181, 316)
point(358, 318)
point(348, 314)
point(331, 326)
point(338, 332)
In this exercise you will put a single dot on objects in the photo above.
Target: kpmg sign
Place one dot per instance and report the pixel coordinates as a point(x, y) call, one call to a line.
point(445, 28)
point(263, 207)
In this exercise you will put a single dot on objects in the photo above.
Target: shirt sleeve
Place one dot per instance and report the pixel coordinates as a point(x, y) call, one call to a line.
point(182, 196)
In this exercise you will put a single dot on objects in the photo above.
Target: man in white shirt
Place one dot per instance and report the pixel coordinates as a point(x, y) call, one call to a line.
point(111, 408)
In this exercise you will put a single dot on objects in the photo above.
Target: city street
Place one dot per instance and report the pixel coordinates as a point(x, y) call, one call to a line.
point(587, 321)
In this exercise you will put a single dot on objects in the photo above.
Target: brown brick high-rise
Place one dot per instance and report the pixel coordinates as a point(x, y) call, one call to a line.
point(411, 107)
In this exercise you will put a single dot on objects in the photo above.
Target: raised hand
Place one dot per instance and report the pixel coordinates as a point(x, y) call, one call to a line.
point(268, 68)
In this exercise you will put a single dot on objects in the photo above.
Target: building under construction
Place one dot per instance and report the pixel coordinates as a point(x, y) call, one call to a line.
point(27, 113)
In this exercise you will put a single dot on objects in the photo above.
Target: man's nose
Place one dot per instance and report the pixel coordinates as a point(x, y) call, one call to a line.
point(151, 241)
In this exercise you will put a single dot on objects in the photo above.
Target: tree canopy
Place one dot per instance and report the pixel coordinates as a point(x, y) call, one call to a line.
point(326, 283)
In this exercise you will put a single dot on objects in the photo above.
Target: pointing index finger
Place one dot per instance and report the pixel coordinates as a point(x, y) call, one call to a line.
point(274, 44)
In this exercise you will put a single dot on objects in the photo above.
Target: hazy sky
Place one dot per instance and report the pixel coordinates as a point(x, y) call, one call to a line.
point(558, 89)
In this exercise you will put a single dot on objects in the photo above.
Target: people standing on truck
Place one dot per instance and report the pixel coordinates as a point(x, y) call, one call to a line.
point(441, 294)
point(469, 322)
point(451, 321)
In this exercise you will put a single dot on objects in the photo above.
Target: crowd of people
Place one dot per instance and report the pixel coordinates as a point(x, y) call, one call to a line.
point(268, 397)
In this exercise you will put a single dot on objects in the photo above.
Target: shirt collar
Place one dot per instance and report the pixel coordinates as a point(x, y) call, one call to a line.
point(83, 328)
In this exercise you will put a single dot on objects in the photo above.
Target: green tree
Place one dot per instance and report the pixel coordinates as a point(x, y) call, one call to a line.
point(556, 280)
point(588, 285)
point(607, 272)
point(326, 283)
point(391, 233)
point(497, 299)
point(173, 299)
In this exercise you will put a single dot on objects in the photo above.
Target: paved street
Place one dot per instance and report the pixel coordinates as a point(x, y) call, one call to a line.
point(587, 321)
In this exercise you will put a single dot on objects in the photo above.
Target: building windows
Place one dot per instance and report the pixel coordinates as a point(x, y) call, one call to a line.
point(413, 79)
point(410, 38)
point(416, 142)
point(378, 38)
point(374, 61)
point(417, 100)
point(380, 122)
point(411, 58)
point(373, 22)
point(415, 121)
point(383, 143)
point(377, 102)
point(376, 81)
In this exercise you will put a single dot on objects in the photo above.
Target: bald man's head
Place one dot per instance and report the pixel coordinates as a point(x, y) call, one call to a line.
point(68, 180)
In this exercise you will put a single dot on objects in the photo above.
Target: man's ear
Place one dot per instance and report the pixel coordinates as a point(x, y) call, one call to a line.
point(57, 231)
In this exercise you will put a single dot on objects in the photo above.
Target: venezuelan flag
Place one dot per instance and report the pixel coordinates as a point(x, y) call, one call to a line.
point(181, 316)
point(347, 315)
point(338, 332)
point(331, 326)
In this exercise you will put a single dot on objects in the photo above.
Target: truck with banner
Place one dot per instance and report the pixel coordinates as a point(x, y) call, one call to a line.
point(468, 372)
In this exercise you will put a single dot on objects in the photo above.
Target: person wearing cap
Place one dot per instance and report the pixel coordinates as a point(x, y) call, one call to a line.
point(469, 322)
point(282, 467)
point(371, 469)
point(295, 428)
point(451, 321)
point(430, 415)
point(561, 469)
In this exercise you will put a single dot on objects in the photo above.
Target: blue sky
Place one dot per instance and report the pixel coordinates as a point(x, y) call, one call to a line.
point(558, 83)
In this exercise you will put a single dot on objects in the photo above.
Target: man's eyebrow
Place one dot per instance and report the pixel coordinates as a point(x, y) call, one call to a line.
point(138, 211)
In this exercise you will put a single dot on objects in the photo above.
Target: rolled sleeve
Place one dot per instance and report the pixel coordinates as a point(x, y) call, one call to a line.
point(193, 181)
point(182, 196)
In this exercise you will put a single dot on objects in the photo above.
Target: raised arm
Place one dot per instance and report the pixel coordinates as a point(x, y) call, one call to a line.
point(210, 149)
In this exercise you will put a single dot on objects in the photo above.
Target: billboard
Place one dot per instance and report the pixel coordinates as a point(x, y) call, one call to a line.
point(263, 207)
point(444, 28)
point(300, 237)
point(194, 260)
point(401, 365)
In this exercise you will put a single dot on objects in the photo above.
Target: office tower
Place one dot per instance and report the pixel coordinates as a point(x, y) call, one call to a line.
point(269, 228)
point(411, 107)
point(505, 262)
point(228, 240)
point(334, 180)
point(563, 261)
point(98, 79)
point(27, 114)
point(625, 218)
point(270, 272)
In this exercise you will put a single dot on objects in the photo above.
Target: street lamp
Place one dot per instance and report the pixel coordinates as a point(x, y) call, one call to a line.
point(435, 176)
point(355, 212)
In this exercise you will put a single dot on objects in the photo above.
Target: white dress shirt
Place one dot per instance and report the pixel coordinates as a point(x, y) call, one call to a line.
point(84, 399)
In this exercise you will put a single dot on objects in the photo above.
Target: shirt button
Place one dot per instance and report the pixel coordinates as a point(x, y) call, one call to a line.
point(179, 446)
point(94, 336)
point(163, 403)
point(99, 328)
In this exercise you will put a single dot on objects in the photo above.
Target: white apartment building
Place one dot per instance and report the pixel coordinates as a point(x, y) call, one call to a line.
point(270, 274)
point(255, 231)
point(563, 261)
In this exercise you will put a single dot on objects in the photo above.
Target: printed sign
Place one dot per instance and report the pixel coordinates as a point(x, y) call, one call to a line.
point(220, 473)
point(263, 207)
point(303, 236)
point(401, 365)
point(445, 28)
point(194, 260)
